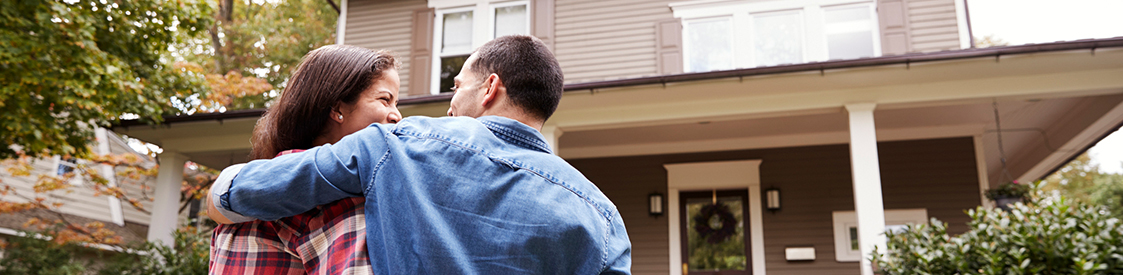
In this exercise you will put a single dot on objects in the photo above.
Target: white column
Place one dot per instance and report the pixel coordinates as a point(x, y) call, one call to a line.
point(341, 23)
point(867, 182)
point(165, 206)
point(552, 134)
point(110, 175)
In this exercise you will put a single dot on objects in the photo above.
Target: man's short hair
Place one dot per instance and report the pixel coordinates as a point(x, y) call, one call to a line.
point(527, 68)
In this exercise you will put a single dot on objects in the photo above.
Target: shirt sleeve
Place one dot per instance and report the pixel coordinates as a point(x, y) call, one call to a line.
point(295, 183)
point(618, 249)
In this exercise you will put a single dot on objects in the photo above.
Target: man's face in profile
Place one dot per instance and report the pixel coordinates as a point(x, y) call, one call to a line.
point(467, 88)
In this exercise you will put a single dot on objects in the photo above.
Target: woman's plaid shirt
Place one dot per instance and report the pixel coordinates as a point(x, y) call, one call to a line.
point(330, 239)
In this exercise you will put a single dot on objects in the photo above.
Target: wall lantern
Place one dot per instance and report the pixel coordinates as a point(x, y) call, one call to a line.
point(655, 204)
point(772, 199)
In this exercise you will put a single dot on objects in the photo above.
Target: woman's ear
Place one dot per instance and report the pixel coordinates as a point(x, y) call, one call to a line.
point(336, 113)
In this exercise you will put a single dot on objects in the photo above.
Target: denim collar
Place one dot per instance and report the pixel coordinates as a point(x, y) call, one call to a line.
point(516, 133)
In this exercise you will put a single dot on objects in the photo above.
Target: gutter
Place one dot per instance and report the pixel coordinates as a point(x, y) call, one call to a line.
point(822, 67)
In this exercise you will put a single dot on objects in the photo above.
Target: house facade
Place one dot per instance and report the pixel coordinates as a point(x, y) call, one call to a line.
point(79, 204)
point(795, 131)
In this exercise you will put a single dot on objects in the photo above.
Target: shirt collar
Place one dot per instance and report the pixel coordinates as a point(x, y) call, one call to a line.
point(516, 133)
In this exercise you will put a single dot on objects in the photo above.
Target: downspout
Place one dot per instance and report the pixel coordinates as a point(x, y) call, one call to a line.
point(967, 13)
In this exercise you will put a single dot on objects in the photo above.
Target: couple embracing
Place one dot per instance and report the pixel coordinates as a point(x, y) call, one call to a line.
point(478, 192)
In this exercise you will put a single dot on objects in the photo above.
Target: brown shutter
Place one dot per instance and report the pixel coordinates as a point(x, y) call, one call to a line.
point(542, 21)
point(668, 44)
point(421, 52)
point(894, 21)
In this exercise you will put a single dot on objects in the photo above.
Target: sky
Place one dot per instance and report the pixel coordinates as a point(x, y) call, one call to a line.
point(1042, 21)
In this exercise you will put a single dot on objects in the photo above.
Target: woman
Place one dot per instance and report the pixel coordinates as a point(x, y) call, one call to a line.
point(335, 91)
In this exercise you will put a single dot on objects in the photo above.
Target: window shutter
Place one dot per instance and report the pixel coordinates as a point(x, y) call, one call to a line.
point(668, 44)
point(421, 53)
point(542, 21)
point(894, 23)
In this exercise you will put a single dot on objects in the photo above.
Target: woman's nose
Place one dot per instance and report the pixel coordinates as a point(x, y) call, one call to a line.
point(394, 116)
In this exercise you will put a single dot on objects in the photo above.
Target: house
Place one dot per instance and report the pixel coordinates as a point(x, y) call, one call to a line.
point(817, 124)
point(80, 205)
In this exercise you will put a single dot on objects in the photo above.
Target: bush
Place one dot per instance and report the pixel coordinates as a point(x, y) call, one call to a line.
point(190, 256)
point(1046, 236)
point(29, 255)
point(39, 255)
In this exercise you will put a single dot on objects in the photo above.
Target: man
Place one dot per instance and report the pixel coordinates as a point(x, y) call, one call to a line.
point(479, 193)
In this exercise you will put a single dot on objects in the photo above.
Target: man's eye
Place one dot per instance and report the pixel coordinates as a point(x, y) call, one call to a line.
point(452, 89)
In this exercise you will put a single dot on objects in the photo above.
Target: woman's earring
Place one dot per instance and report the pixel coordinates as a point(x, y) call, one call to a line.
point(340, 117)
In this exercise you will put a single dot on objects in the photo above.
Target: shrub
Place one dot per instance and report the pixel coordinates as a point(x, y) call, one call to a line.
point(1046, 236)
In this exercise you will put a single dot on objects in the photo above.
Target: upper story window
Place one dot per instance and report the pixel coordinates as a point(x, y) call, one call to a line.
point(65, 165)
point(463, 25)
point(739, 34)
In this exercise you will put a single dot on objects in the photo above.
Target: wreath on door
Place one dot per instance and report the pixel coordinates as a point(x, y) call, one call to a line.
point(706, 230)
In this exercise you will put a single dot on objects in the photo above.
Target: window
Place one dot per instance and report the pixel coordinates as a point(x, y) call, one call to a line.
point(65, 166)
point(709, 42)
point(745, 34)
point(846, 229)
point(465, 25)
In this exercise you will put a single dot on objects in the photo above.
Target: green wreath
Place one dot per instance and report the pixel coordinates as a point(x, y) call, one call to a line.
point(715, 235)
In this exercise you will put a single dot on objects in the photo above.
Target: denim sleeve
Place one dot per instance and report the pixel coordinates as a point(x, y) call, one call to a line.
point(618, 248)
point(295, 183)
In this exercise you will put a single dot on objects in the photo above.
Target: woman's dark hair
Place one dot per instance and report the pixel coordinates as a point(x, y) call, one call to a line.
point(326, 76)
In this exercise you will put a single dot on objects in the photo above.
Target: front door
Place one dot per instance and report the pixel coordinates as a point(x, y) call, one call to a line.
point(714, 228)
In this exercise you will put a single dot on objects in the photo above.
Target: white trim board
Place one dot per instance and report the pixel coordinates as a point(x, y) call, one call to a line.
point(708, 176)
point(781, 141)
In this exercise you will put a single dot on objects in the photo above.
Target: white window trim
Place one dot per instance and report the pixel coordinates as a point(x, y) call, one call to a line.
point(844, 220)
point(710, 176)
point(686, 45)
point(483, 28)
point(77, 179)
point(814, 39)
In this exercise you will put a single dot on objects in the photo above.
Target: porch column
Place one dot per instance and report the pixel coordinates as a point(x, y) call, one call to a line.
point(552, 133)
point(165, 206)
point(868, 204)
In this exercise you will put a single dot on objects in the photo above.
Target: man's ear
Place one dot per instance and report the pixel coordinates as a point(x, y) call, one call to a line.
point(495, 89)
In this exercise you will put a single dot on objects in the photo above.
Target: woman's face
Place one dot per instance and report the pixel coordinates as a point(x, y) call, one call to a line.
point(378, 104)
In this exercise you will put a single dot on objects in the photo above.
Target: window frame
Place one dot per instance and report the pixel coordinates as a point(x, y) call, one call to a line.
point(844, 220)
point(481, 33)
point(686, 45)
point(814, 36)
point(58, 161)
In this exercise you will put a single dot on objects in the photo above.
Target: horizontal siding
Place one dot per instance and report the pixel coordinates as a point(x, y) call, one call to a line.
point(383, 25)
point(938, 175)
point(80, 201)
point(933, 25)
point(601, 40)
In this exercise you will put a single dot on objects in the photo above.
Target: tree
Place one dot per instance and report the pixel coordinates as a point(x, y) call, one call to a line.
point(252, 48)
point(1082, 180)
point(990, 41)
point(70, 65)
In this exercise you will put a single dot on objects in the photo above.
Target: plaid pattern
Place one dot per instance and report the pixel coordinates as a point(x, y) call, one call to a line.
point(330, 239)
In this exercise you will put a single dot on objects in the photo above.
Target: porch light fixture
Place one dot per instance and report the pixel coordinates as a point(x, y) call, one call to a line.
point(772, 199)
point(655, 204)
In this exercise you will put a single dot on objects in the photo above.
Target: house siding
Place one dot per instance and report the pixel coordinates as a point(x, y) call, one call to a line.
point(80, 202)
point(933, 25)
point(602, 40)
point(384, 25)
point(939, 175)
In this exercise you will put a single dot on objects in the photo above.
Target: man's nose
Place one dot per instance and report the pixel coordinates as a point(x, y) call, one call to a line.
point(449, 113)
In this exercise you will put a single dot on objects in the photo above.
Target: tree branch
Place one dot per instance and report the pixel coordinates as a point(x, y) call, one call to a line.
point(334, 6)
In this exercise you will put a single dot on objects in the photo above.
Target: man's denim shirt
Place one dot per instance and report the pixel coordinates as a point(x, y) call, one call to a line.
point(446, 196)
